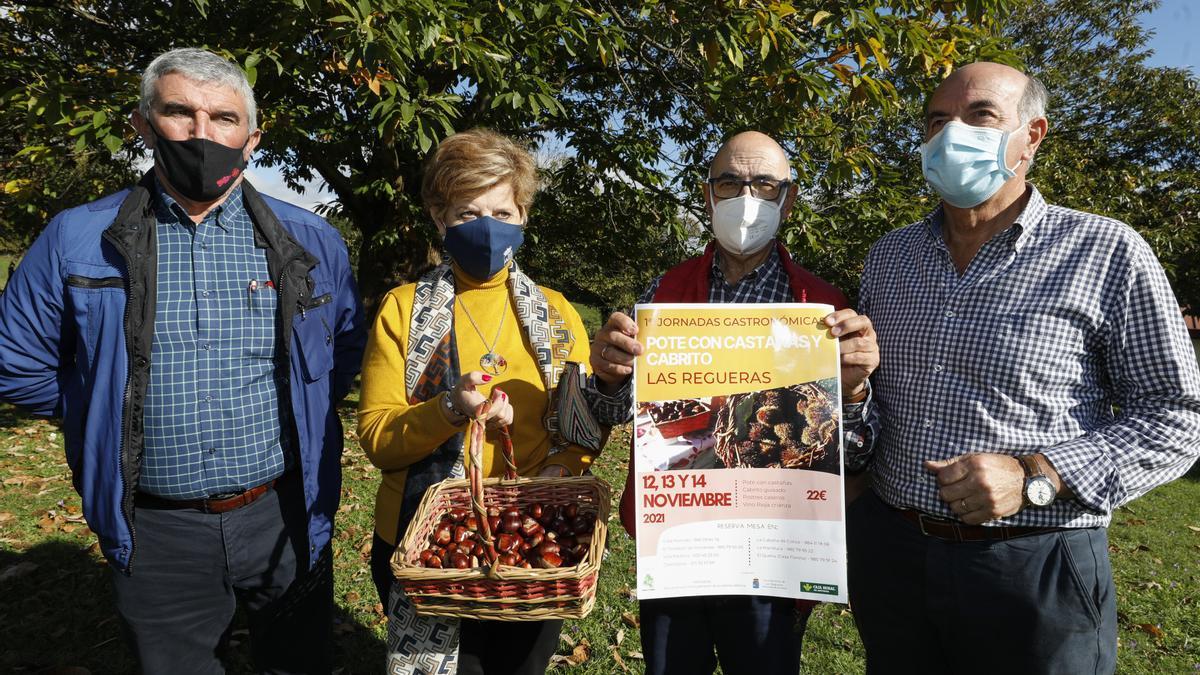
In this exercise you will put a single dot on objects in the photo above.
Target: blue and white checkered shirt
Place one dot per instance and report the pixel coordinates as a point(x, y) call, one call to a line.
point(1061, 337)
point(212, 417)
point(769, 283)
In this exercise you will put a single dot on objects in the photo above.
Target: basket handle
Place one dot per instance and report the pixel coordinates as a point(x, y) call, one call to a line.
point(474, 457)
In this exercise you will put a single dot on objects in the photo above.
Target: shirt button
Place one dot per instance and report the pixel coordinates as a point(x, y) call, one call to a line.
point(212, 451)
point(949, 314)
point(206, 346)
point(937, 367)
point(206, 293)
point(928, 423)
point(208, 397)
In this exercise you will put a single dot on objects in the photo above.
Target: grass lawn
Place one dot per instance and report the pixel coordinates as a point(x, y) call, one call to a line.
point(4, 261)
point(56, 610)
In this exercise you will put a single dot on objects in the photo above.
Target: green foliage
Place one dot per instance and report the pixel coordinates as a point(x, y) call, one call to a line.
point(638, 93)
point(635, 97)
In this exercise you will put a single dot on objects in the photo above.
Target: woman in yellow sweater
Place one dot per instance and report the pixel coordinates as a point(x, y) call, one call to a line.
point(473, 329)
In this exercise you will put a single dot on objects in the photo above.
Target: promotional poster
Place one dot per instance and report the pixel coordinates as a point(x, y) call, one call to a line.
point(737, 452)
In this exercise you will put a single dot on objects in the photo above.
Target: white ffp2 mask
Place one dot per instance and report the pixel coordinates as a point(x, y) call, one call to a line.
point(745, 224)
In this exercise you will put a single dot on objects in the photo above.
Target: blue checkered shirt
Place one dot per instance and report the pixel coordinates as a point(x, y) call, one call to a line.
point(212, 417)
point(769, 283)
point(1061, 337)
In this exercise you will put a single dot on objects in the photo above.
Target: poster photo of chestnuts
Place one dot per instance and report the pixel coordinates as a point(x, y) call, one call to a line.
point(737, 452)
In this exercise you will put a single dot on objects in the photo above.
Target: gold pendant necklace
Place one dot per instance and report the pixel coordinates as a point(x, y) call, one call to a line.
point(490, 362)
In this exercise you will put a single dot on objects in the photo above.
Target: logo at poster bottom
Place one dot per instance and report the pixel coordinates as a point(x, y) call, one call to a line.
point(812, 587)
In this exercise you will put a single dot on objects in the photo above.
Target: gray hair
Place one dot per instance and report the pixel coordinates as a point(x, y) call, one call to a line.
point(201, 66)
point(1032, 105)
point(1033, 100)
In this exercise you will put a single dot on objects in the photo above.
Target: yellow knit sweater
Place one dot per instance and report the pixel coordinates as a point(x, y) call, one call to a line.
point(396, 435)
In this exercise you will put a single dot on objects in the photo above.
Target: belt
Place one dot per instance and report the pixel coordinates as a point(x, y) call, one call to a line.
point(953, 530)
point(214, 504)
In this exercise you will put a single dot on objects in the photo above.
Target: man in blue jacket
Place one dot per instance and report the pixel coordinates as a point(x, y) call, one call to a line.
point(194, 337)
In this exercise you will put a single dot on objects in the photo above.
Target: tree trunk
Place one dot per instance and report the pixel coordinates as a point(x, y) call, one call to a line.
point(393, 251)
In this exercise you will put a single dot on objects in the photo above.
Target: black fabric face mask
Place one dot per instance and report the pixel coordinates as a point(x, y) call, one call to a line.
point(200, 169)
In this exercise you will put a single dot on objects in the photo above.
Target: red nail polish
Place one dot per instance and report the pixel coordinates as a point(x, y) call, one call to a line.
point(487, 378)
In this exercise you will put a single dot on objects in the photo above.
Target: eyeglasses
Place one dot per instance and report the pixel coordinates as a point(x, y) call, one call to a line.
point(761, 188)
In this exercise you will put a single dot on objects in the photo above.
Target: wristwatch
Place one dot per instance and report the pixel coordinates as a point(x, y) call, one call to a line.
point(1039, 489)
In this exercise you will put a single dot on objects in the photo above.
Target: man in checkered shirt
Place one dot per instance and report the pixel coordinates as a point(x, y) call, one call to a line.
point(1035, 375)
point(195, 336)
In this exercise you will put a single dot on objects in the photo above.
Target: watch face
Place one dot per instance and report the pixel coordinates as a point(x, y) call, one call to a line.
point(1040, 491)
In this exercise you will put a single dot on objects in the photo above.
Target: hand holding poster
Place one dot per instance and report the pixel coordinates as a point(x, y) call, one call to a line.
point(737, 452)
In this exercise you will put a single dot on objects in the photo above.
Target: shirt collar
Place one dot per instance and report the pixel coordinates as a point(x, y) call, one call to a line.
point(1021, 232)
point(167, 209)
point(764, 267)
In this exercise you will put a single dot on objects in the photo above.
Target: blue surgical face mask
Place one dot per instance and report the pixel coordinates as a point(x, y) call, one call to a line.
point(484, 246)
point(966, 164)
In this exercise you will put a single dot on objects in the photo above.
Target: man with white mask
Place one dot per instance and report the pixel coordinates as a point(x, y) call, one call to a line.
point(1036, 375)
point(748, 194)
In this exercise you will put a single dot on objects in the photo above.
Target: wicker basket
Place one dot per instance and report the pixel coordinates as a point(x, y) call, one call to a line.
point(504, 593)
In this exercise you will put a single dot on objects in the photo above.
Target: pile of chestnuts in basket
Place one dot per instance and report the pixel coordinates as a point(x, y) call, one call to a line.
point(538, 535)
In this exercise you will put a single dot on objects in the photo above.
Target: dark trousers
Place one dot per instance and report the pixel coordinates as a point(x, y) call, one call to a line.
point(750, 635)
point(1039, 604)
point(485, 647)
point(190, 570)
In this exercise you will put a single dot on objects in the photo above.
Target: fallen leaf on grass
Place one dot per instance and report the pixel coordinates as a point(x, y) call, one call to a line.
point(18, 570)
point(1193, 528)
point(16, 480)
point(620, 635)
point(636, 655)
point(5, 516)
point(1152, 630)
point(353, 597)
point(630, 620)
point(46, 524)
point(581, 653)
point(617, 657)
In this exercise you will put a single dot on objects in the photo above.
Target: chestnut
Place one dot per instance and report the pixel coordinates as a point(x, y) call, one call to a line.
point(511, 524)
point(579, 525)
point(510, 512)
point(550, 560)
point(559, 525)
point(529, 526)
point(570, 511)
point(434, 561)
point(506, 543)
point(536, 539)
point(493, 523)
point(547, 547)
point(535, 511)
point(579, 551)
point(457, 515)
point(459, 561)
point(426, 555)
point(462, 534)
point(508, 559)
point(477, 550)
point(443, 535)
point(493, 511)
point(472, 522)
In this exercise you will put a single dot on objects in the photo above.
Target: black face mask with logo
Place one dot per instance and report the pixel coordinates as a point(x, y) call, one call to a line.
point(199, 169)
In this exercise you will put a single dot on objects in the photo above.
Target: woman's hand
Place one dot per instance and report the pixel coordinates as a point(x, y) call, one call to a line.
point(466, 398)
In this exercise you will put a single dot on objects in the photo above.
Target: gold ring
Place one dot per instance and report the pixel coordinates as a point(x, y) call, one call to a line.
point(604, 351)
